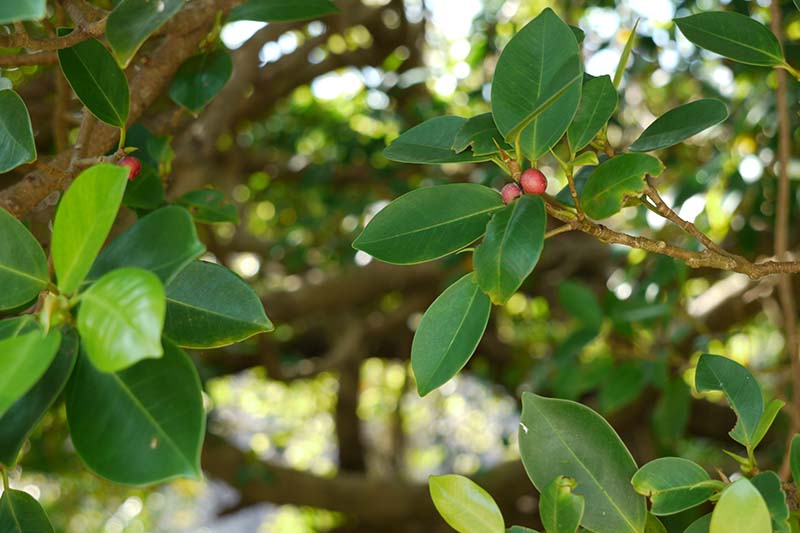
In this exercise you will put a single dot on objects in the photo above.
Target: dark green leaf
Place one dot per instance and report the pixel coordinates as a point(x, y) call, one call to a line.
point(465, 505)
point(795, 458)
point(740, 509)
point(429, 223)
point(282, 10)
point(431, 142)
point(480, 134)
point(18, 10)
point(621, 386)
point(579, 301)
point(16, 134)
point(598, 103)
point(23, 265)
point(209, 306)
point(142, 425)
point(512, 246)
point(677, 125)
point(133, 21)
point(21, 513)
point(209, 206)
point(769, 485)
point(18, 325)
point(700, 525)
point(200, 78)
point(23, 360)
point(560, 509)
point(616, 180)
point(671, 413)
point(672, 484)
point(449, 333)
point(561, 437)
point(146, 192)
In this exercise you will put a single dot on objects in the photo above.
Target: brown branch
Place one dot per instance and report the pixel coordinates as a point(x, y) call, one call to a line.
point(26, 60)
point(21, 39)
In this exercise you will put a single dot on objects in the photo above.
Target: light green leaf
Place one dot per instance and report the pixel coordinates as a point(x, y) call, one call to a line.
point(282, 10)
point(23, 360)
point(22, 10)
point(598, 103)
point(23, 265)
point(464, 505)
point(672, 484)
point(83, 220)
point(616, 180)
point(200, 78)
point(654, 525)
point(626, 54)
point(133, 21)
point(16, 133)
point(560, 509)
point(431, 142)
point(767, 418)
point(480, 134)
point(209, 206)
point(740, 509)
point(21, 513)
point(769, 485)
point(677, 125)
point(121, 318)
point(449, 333)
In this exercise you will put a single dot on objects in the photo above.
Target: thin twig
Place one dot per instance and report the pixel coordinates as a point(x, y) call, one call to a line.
point(26, 60)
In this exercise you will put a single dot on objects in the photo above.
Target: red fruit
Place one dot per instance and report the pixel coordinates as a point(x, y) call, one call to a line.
point(533, 181)
point(510, 192)
point(133, 164)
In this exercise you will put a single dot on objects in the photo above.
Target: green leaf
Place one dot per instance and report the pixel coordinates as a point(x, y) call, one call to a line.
point(794, 458)
point(83, 220)
point(598, 103)
point(200, 78)
point(209, 306)
point(121, 318)
point(579, 301)
point(449, 333)
point(677, 125)
point(621, 386)
point(22, 10)
point(133, 21)
point(561, 437)
point(560, 509)
point(537, 84)
point(480, 134)
point(97, 80)
point(23, 416)
point(282, 10)
point(464, 505)
point(654, 525)
point(766, 420)
point(18, 325)
point(740, 509)
point(520, 529)
point(671, 413)
point(512, 246)
point(700, 525)
point(23, 360)
point(616, 180)
point(142, 425)
point(672, 484)
point(429, 223)
point(162, 242)
point(626, 53)
point(430, 143)
point(146, 192)
point(769, 485)
point(209, 206)
point(797, 4)
point(16, 133)
point(23, 265)
point(734, 36)
point(718, 373)
point(21, 513)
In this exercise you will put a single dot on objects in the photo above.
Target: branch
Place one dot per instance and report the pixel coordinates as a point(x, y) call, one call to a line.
point(83, 32)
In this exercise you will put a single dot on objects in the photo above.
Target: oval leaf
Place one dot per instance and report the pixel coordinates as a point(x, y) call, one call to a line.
point(21, 513)
point(449, 333)
point(121, 318)
point(133, 21)
point(209, 206)
point(480, 134)
point(740, 509)
point(97, 80)
point(512, 246)
point(23, 360)
point(464, 505)
point(200, 78)
point(677, 125)
point(23, 265)
point(672, 484)
point(83, 220)
point(209, 306)
point(561, 437)
point(734, 36)
point(142, 425)
point(431, 142)
point(426, 224)
point(616, 180)
point(598, 103)
point(16, 133)
point(22, 10)
point(769, 485)
point(560, 509)
point(282, 10)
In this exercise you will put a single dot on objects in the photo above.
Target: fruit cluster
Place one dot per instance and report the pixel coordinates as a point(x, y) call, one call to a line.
point(531, 182)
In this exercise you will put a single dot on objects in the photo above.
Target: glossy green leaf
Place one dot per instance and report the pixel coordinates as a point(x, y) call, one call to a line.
point(512, 246)
point(209, 206)
point(626, 54)
point(23, 265)
point(561, 437)
point(83, 220)
point(16, 133)
point(580, 302)
point(480, 134)
point(740, 509)
point(449, 333)
point(560, 509)
point(200, 78)
point(734, 36)
point(142, 425)
point(616, 180)
point(121, 318)
point(700, 525)
point(598, 103)
point(769, 485)
point(537, 84)
point(21, 513)
point(162, 242)
point(209, 306)
point(680, 123)
point(23, 360)
point(282, 10)
point(429, 223)
point(97, 80)
point(23, 416)
point(794, 458)
point(431, 142)
point(672, 484)
point(18, 325)
point(133, 21)
point(767, 418)
point(464, 505)
point(22, 10)
point(718, 373)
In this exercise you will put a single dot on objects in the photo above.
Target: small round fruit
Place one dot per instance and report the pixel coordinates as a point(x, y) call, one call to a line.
point(533, 181)
point(133, 164)
point(510, 192)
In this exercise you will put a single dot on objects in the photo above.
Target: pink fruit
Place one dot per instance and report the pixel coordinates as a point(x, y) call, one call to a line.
point(133, 164)
point(510, 192)
point(533, 181)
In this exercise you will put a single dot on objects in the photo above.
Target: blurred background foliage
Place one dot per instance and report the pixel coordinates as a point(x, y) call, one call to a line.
point(317, 427)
